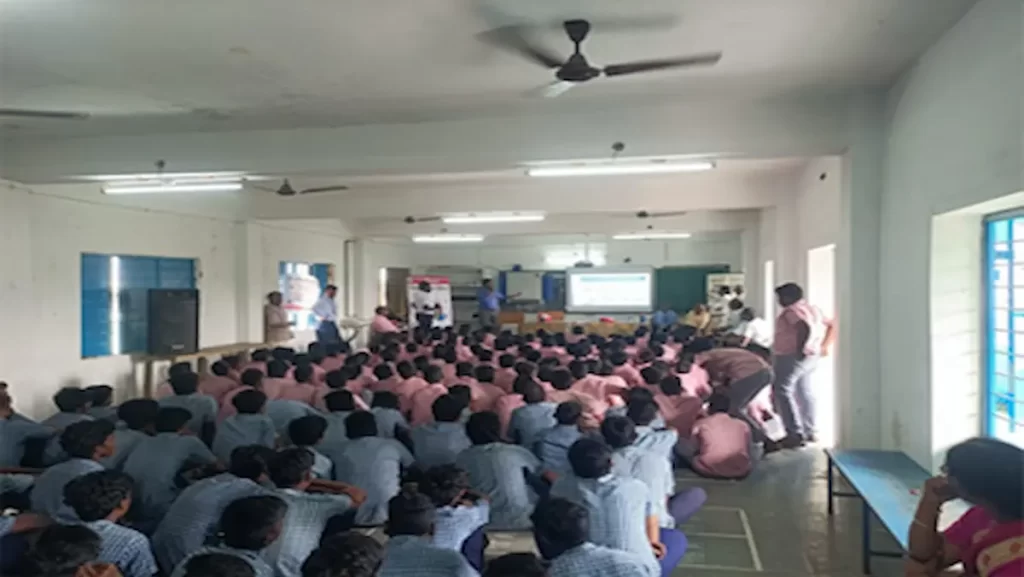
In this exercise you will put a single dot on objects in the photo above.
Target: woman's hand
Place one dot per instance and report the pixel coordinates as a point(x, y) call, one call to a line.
point(938, 491)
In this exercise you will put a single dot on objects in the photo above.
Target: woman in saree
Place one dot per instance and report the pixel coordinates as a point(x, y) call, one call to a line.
point(989, 538)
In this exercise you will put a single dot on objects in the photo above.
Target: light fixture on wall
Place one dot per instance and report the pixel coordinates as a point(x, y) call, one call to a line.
point(619, 167)
point(447, 238)
point(652, 236)
point(492, 218)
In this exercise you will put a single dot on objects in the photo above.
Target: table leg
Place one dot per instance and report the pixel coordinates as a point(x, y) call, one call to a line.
point(866, 537)
point(831, 494)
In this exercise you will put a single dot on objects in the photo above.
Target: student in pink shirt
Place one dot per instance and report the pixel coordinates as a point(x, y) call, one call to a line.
point(679, 409)
point(506, 374)
point(302, 389)
point(251, 379)
point(333, 359)
point(445, 358)
point(381, 325)
point(651, 376)
point(721, 447)
point(694, 378)
point(463, 374)
point(736, 373)
point(621, 368)
point(422, 401)
point(278, 375)
point(560, 392)
point(257, 361)
point(408, 387)
point(485, 392)
point(586, 383)
point(217, 384)
point(387, 380)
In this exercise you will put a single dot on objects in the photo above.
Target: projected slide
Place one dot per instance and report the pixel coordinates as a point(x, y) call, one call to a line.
point(609, 290)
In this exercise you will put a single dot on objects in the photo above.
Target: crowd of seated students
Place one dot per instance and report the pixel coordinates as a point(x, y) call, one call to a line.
point(264, 467)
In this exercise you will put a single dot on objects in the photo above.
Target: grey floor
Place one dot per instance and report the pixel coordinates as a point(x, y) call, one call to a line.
point(772, 524)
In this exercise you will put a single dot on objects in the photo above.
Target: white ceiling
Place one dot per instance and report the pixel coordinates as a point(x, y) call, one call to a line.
point(142, 66)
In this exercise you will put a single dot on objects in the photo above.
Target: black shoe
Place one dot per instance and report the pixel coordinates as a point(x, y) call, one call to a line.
point(792, 442)
point(811, 438)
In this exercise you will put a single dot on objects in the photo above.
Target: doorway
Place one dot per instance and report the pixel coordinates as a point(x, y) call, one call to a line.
point(821, 291)
point(769, 293)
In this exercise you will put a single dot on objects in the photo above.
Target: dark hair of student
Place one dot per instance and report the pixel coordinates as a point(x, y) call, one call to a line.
point(446, 409)
point(671, 385)
point(532, 392)
point(651, 375)
point(718, 403)
point(186, 367)
point(560, 379)
point(389, 354)
point(483, 428)
point(462, 394)
point(637, 395)
point(525, 369)
point(558, 526)
point(60, 550)
point(747, 314)
point(464, 369)
point(81, 439)
point(515, 565)
point(697, 346)
point(252, 523)
point(406, 370)
point(385, 400)
point(361, 424)
point(347, 554)
point(485, 356)
point(100, 395)
point(684, 363)
point(307, 431)
point(590, 458)
point(252, 378)
point(410, 513)
point(138, 414)
point(71, 400)
point(988, 472)
point(444, 484)
point(448, 355)
point(484, 373)
point(568, 413)
point(303, 373)
point(290, 467)
point(641, 411)
point(260, 355)
point(218, 565)
point(337, 378)
point(411, 348)
point(578, 369)
point(506, 361)
point(618, 432)
point(285, 354)
point(185, 383)
point(789, 293)
point(339, 400)
point(220, 368)
point(172, 419)
point(277, 369)
point(250, 461)
point(94, 496)
point(433, 374)
point(383, 372)
point(421, 362)
point(249, 402)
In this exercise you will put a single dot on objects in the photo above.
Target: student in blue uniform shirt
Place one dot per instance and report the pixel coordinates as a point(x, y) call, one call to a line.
point(157, 461)
point(100, 500)
point(644, 412)
point(385, 409)
point(247, 527)
point(250, 426)
point(340, 404)
point(87, 443)
point(101, 403)
point(409, 551)
point(218, 565)
point(307, 432)
point(516, 565)
point(440, 442)
point(462, 513)
point(73, 406)
point(187, 396)
point(536, 416)
point(16, 431)
point(552, 445)
point(136, 421)
point(60, 550)
point(191, 521)
point(348, 554)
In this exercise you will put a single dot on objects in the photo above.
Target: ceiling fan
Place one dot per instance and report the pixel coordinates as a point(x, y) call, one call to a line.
point(577, 69)
point(286, 189)
point(415, 219)
point(644, 215)
point(44, 114)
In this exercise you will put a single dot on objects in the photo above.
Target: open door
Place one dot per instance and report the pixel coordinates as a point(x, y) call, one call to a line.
point(821, 291)
point(394, 291)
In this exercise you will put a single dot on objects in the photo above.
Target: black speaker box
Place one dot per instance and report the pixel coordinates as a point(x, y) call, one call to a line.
point(173, 321)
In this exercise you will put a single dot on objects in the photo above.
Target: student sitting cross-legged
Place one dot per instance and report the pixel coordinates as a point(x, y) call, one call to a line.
point(461, 513)
point(552, 445)
point(73, 407)
point(246, 527)
point(307, 432)
point(562, 530)
point(721, 446)
point(191, 521)
point(440, 442)
point(536, 416)
point(87, 443)
point(348, 554)
point(187, 396)
point(389, 417)
point(250, 426)
point(138, 421)
point(100, 500)
point(409, 550)
point(340, 404)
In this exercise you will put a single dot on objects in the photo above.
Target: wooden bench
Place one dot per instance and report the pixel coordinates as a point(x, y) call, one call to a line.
point(201, 357)
point(888, 484)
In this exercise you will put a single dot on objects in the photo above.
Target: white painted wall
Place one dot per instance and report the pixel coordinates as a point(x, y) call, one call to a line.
point(953, 138)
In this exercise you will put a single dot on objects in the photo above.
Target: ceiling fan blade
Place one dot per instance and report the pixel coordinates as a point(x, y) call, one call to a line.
point(50, 114)
point(667, 214)
point(709, 59)
point(551, 90)
point(513, 38)
point(319, 189)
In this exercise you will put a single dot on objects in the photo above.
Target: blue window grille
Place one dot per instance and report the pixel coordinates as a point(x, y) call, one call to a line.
point(1004, 383)
point(115, 311)
point(301, 315)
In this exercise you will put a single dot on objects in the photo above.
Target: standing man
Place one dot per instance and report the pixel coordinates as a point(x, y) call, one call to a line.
point(803, 334)
point(276, 326)
point(489, 303)
point(326, 312)
point(423, 307)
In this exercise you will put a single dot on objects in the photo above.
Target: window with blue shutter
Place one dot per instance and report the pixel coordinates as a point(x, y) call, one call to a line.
point(114, 299)
point(1004, 382)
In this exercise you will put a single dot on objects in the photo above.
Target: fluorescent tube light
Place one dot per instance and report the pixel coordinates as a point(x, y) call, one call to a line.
point(652, 236)
point(616, 169)
point(491, 218)
point(172, 187)
point(160, 176)
point(447, 238)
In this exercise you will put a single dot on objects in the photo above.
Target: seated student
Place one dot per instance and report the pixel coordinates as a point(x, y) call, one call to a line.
point(587, 383)
point(484, 375)
point(552, 445)
point(621, 368)
point(385, 410)
point(536, 416)
point(464, 395)
point(644, 412)
point(246, 527)
point(250, 426)
point(302, 388)
point(516, 565)
point(191, 521)
point(139, 418)
point(218, 565)
point(736, 373)
point(186, 396)
point(440, 442)
point(463, 374)
point(506, 374)
point(100, 500)
point(370, 462)
point(306, 433)
point(651, 376)
point(561, 391)
point(73, 406)
point(283, 411)
point(507, 404)
point(257, 360)
point(563, 532)
point(165, 390)
point(101, 402)
point(250, 380)
point(217, 383)
point(387, 380)
point(409, 551)
point(277, 379)
point(409, 385)
point(291, 470)
point(86, 443)
point(157, 460)
point(422, 401)
point(721, 446)
point(678, 408)
point(340, 405)
point(637, 395)
point(654, 470)
point(496, 469)
point(16, 431)
point(337, 380)
point(348, 554)
point(65, 551)
point(461, 513)
point(621, 510)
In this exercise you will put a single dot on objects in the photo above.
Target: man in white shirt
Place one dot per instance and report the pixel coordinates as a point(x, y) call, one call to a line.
point(754, 332)
point(326, 310)
point(423, 306)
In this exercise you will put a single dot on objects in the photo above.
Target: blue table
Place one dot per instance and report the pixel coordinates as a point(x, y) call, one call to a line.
point(888, 484)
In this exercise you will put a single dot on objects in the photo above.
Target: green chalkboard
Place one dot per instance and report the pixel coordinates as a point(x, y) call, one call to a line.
point(678, 288)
